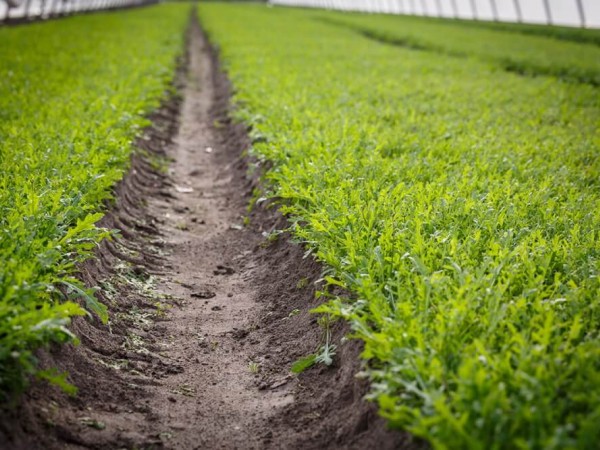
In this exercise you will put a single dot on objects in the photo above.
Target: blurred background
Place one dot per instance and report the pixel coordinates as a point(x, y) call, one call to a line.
point(575, 13)
point(556, 12)
point(20, 10)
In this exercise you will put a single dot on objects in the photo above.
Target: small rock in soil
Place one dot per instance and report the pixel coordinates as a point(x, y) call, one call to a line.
point(184, 189)
point(223, 270)
point(278, 383)
point(239, 334)
point(139, 270)
point(216, 308)
point(203, 293)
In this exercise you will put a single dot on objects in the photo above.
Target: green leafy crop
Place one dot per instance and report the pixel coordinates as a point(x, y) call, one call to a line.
point(530, 55)
point(73, 95)
point(563, 33)
point(459, 203)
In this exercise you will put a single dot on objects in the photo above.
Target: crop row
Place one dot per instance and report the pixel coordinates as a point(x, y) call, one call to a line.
point(521, 53)
point(73, 96)
point(457, 202)
point(563, 33)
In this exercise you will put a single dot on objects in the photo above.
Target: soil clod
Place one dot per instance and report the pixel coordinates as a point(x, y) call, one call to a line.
point(223, 270)
point(204, 293)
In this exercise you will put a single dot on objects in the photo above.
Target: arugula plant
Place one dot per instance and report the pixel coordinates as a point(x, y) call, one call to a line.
point(529, 54)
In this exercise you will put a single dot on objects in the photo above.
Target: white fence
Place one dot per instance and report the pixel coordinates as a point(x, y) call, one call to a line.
point(24, 10)
point(584, 13)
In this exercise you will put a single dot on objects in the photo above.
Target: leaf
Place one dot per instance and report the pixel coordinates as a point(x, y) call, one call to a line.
point(90, 302)
point(326, 354)
point(57, 378)
point(304, 363)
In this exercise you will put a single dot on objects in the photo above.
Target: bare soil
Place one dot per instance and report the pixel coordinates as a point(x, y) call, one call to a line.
point(207, 314)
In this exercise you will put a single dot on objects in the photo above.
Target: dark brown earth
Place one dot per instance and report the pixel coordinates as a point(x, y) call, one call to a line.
point(207, 314)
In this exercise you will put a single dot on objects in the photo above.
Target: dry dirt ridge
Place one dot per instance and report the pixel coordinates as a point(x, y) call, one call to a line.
point(207, 314)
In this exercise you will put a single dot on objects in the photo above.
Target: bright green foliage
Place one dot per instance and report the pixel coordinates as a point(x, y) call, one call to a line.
point(73, 94)
point(563, 33)
point(521, 53)
point(459, 203)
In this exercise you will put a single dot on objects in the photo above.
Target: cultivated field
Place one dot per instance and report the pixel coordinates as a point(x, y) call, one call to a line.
point(456, 199)
point(442, 175)
point(73, 96)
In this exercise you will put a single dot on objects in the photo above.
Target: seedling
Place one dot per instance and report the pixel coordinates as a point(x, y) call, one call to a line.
point(302, 283)
point(254, 367)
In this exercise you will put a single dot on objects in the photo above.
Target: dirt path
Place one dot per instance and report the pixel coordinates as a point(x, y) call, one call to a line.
point(207, 314)
point(213, 257)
